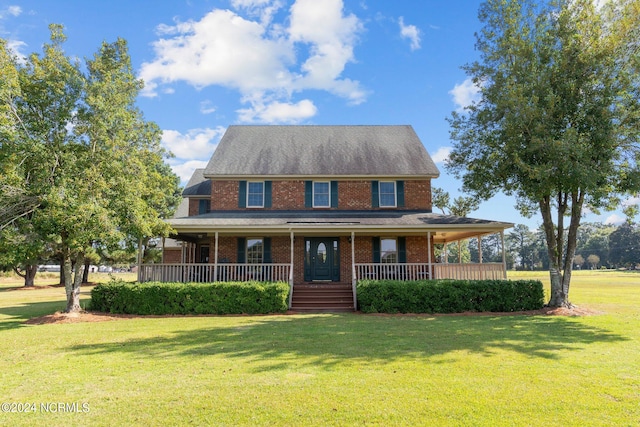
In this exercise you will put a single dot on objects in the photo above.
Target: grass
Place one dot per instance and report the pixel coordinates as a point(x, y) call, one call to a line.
point(330, 369)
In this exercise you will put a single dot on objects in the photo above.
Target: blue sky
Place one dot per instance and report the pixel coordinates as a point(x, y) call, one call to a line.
point(213, 63)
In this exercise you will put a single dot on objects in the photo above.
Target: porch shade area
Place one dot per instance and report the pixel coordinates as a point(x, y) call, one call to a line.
point(351, 230)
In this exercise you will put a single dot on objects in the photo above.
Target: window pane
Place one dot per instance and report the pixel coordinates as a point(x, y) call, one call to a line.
point(387, 193)
point(255, 194)
point(254, 251)
point(388, 251)
point(321, 194)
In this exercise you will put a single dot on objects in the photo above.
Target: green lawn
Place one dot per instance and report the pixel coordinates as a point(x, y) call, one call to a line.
point(329, 369)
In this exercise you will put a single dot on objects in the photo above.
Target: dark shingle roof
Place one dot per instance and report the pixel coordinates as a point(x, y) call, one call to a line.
point(198, 185)
point(357, 151)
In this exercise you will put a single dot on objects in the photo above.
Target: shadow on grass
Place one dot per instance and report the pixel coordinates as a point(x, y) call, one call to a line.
point(277, 342)
point(15, 316)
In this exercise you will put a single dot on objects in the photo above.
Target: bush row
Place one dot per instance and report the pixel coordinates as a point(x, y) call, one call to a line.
point(449, 296)
point(190, 298)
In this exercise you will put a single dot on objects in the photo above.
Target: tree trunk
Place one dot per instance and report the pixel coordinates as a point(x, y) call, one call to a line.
point(62, 282)
point(29, 275)
point(85, 274)
point(72, 287)
point(559, 298)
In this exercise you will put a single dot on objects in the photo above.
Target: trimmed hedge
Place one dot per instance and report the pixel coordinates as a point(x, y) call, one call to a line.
point(190, 298)
point(449, 296)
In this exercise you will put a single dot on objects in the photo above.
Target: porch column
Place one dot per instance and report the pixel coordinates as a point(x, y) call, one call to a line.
point(504, 257)
point(480, 249)
point(459, 252)
point(429, 260)
point(353, 270)
point(215, 259)
point(292, 238)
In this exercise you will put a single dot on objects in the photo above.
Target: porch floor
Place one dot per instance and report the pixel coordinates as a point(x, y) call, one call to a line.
point(315, 297)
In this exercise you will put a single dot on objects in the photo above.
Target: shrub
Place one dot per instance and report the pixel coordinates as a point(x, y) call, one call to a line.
point(449, 296)
point(190, 298)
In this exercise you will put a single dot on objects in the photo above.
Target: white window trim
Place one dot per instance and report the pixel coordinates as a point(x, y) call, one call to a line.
point(246, 248)
point(313, 195)
point(248, 194)
point(395, 195)
point(395, 240)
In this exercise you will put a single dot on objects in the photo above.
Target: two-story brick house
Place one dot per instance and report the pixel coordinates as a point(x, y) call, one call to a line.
point(317, 206)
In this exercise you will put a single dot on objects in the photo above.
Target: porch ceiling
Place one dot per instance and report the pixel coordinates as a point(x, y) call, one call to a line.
point(444, 228)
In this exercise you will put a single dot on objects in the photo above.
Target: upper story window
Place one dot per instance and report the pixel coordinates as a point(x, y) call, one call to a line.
point(255, 194)
point(388, 251)
point(387, 194)
point(321, 194)
point(204, 206)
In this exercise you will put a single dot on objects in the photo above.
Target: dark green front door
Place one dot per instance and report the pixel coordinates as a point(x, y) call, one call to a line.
point(322, 259)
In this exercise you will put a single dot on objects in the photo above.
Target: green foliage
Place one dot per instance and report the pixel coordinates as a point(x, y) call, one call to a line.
point(84, 168)
point(449, 296)
point(556, 124)
point(190, 298)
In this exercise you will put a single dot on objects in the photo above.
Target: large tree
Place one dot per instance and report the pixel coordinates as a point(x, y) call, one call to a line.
point(557, 120)
point(86, 154)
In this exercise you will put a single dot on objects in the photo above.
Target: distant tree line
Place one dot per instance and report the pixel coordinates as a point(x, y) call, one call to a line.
point(598, 246)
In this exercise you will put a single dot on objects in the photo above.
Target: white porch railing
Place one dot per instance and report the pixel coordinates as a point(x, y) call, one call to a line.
point(209, 272)
point(420, 271)
point(470, 271)
point(387, 271)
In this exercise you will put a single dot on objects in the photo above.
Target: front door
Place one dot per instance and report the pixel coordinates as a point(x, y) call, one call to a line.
point(322, 260)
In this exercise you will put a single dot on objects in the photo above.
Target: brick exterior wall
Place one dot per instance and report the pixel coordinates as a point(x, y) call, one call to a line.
point(281, 252)
point(289, 195)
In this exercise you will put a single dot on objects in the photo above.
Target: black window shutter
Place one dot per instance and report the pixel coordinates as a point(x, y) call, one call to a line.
point(267, 194)
point(375, 198)
point(242, 194)
point(308, 194)
point(334, 194)
point(266, 250)
point(376, 249)
point(203, 206)
point(402, 249)
point(400, 193)
point(242, 243)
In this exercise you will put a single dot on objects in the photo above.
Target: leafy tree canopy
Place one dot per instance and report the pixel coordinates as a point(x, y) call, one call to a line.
point(558, 119)
point(88, 167)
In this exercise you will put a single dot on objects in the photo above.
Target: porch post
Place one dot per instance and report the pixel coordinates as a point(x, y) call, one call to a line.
point(215, 259)
point(504, 257)
point(480, 248)
point(459, 252)
point(291, 271)
point(353, 270)
point(429, 254)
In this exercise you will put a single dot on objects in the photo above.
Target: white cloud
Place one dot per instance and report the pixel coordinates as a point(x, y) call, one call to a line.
point(331, 37)
point(278, 112)
point(206, 107)
point(631, 201)
point(259, 59)
point(265, 9)
point(10, 10)
point(465, 94)
point(410, 32)
point(614, 219)
point(195, 144)
point(185, 170)
point(442, 155)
